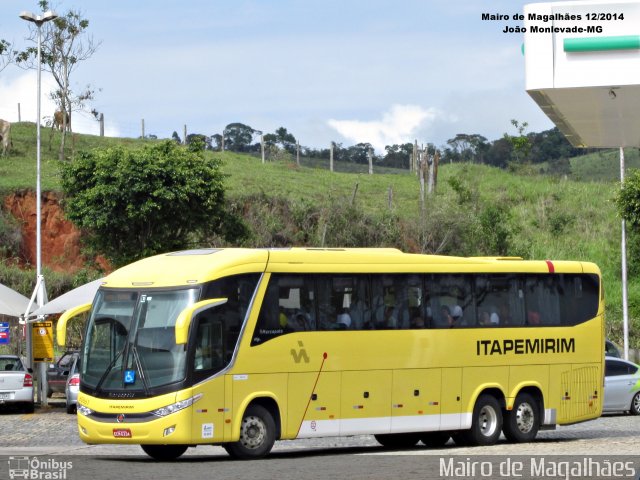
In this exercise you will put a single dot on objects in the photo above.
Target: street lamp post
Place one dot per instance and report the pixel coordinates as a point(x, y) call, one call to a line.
point(39, 20)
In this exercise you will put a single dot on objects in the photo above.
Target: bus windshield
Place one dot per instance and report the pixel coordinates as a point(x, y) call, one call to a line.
point(130, 344)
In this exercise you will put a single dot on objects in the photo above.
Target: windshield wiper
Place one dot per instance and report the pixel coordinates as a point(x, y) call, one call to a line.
point(136, 358)
point(108, 370)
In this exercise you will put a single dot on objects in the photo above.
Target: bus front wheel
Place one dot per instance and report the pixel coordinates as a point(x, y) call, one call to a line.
point(523, 421)
point(485, 424)
point(164, 452)
point(257, 434)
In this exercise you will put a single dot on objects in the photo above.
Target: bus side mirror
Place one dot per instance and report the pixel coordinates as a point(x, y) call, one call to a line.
point(61, 328)
point(183, 322)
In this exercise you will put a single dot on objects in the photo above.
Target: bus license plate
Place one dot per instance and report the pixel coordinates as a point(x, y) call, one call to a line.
point(122, 433)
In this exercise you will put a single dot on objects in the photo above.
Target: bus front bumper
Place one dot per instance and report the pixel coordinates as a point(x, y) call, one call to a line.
point(172, 429)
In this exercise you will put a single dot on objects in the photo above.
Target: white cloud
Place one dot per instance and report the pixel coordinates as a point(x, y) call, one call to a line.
point(398, 125)
point(22, 89)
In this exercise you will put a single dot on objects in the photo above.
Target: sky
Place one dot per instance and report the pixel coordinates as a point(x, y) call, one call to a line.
point(348, 71)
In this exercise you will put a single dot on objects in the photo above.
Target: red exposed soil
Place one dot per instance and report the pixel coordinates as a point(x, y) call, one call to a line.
point(60, 238)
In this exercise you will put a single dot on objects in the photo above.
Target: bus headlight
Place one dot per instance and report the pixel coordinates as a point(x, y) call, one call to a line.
point(176, 407)
point(82, 410)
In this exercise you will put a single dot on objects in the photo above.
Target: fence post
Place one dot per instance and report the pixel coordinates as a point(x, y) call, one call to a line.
point(355, 190)
point(262, 146)
point(184, 136)
point(421, 174)
point(19, 116)
point(370, 157)
point(101, 119)
point(143, 128)
point(331, 157)
point(298, 152)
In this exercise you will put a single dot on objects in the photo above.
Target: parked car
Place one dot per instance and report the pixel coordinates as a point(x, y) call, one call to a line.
point(611, 349)
point(621, 386)
point(59, 372)
point(16, 383)
point(73, 386)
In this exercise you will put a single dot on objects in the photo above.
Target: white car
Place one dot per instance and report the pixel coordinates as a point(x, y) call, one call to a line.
point(621, 386)
point(16, 383)
point(73, 386)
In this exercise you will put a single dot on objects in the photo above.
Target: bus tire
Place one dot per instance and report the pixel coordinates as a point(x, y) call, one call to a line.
point(164, 452)
point(521, 424)
point(435, 439)
point(635, 405)
point(398, 440)
point(257, 434)
point(486, 422)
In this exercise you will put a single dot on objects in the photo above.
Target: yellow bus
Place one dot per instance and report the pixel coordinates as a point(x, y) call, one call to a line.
point(242, 347)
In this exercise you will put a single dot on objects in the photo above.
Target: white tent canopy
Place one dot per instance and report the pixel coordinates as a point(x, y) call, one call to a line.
point(73, 298)
point(12, 303)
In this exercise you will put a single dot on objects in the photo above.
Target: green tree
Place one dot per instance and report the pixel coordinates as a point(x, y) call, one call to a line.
point(65, 44)
point(238, 137)
point(521, 144)
point(5, 54)
point(628, 199)
point(136, 203)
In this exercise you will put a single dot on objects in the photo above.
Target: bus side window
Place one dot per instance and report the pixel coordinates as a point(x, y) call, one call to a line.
point(451, 301)
point(268, 325)
point(542, 300)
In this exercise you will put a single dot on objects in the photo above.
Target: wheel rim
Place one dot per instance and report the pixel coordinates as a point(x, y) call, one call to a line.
point(525, 417)
point(488, 421)
point(636, 403)
point(253, 432)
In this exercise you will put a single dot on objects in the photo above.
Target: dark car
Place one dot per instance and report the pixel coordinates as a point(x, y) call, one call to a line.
point(58, 373)
point(611, 349)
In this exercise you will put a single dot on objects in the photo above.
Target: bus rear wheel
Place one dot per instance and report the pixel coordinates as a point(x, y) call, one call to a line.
point(398, 440)
point(164, 452)
point(257, 434)
point(523, 421)
point(485, 424)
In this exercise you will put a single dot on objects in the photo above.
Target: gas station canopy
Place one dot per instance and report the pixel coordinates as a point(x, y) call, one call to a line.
point(582, 62)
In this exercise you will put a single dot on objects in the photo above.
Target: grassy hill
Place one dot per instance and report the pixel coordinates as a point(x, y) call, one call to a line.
point(548, 218)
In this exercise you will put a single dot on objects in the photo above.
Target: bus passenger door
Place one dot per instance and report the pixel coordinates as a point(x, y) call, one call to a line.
point(206, 360)
point(451, 399)
point(366, 402)
point(415, 403)
point(314, 412)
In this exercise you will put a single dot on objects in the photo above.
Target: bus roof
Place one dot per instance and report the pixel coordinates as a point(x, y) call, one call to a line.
point(192, 267)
